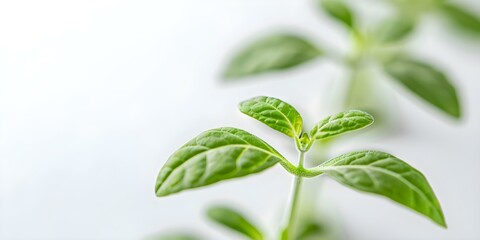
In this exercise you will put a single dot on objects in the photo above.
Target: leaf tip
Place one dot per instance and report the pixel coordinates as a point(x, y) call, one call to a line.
point(243, 104)
point(370, 118)
point(444, 225)
point(456, 113)
point(158, 192)
point(441, 219)
point(367, 117)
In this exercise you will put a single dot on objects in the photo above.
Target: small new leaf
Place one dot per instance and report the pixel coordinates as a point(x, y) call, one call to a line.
point(341, 123)
point(426, 82)
point(394, 30)
point(271, 53)
point(462, 18)
point(213, 156)
point(232, 219)
point(383, 174)
point(275, 113)
point(338, 10)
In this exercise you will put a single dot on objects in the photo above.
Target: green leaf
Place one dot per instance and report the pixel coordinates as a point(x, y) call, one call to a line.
point(213, 156)
point(426, 82)
point(341, 123)
point(271, 53)
point(275, 113)
point(462, 17)
point(232, 219)
point(394, 30)
point(338, 10)
point(386, 175)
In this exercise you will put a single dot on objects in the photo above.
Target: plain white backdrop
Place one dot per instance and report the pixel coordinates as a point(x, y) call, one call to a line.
point(96, 94)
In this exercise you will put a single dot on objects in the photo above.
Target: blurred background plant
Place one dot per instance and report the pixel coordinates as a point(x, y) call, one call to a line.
point(377, 53)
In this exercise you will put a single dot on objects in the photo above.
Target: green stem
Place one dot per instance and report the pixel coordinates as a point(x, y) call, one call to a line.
point(295, 198)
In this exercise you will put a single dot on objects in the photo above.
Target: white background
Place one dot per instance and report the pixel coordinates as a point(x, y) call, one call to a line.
point(95, 95)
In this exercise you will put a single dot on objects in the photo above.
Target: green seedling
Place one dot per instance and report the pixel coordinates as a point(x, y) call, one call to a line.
point(226, 153)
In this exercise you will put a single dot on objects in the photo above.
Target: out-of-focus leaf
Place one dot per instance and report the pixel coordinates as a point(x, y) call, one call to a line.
point(275, 113)
point(394, 30)
point(213, 156)
point(427, 82)
point(339, 11)
point(383, 174)
point(232, 219)
point(462, 18)
point(271, 53)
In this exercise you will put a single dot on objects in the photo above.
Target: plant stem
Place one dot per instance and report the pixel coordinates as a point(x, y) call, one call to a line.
point(295, 198)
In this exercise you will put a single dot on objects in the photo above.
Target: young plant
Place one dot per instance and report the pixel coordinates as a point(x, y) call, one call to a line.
point(225, 153)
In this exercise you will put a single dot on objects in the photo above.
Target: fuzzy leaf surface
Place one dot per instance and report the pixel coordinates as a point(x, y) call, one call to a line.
point(275, 113)
point(341, 123)
point(383, 174)
point(213, 156)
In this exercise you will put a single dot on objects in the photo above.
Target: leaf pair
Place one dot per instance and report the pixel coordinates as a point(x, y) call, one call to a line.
point(284, 118)
point(227, 153)
point(369, 171)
